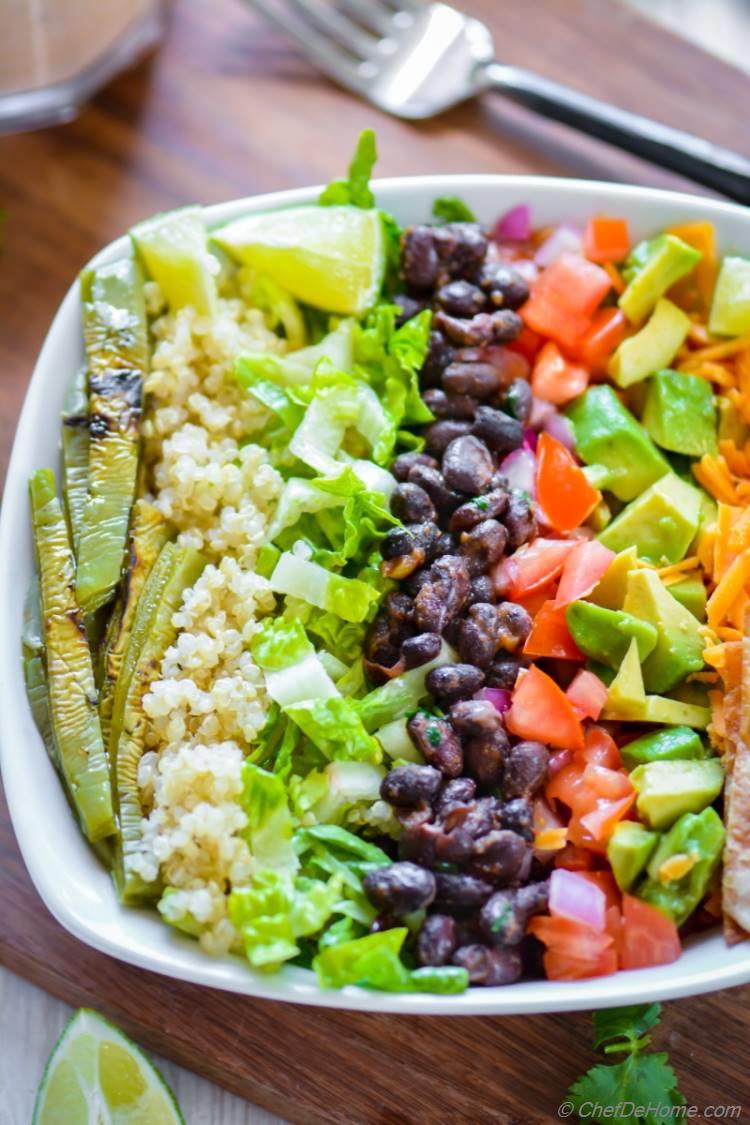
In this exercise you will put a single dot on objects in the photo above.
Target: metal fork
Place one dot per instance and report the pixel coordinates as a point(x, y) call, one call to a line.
point(415, 60)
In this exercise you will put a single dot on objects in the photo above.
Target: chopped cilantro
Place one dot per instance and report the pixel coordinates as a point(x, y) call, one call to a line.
point(451, 209)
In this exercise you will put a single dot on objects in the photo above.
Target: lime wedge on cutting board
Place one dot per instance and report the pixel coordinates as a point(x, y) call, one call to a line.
point(329, 257)
point(174, 250)
point(97, 1076)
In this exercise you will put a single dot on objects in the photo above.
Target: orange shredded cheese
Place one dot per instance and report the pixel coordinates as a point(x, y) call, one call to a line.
point(615, 277)
point(730, 587)
point(676, 867)
point(678, 568)
point(551, 839)
point(735, 458)
point(722, 350)
point(713, 473)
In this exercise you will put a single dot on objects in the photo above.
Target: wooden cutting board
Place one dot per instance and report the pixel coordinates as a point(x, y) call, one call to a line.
point(227, 108)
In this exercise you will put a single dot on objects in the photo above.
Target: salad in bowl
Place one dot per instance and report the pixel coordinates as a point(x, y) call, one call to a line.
point(389, 612)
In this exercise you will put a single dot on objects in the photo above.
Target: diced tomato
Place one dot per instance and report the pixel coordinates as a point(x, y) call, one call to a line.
point(606, 239)
point(582, 570)
point(563, 491)
point(600, 822)
point(588, 695)
point(527, 343)
point(574, 858)
point(532, 567)
point(550, 635)
point(534, 601)
point(541, 711)
point(557, 966)
point(555, 378)
point(580, 835)
point(607, 783)
point(564, 298)
point(600, 749)
point(606, 332)
point(648, 936)
point(606, 883)
point(544, 315)
point(567, 786)
point(575, 951)
point(543, 817)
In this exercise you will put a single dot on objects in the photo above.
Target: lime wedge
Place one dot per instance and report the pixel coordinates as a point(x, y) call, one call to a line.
point(96, 1076)
point(329, 257)
point(174, 252)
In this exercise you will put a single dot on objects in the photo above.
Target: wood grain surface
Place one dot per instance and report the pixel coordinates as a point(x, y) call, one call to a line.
point(227, 109)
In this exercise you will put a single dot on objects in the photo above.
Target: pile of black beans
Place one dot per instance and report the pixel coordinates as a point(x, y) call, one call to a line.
point(465, 850)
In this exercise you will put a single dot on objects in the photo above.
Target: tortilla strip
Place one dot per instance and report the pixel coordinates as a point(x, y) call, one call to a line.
point(736, 756)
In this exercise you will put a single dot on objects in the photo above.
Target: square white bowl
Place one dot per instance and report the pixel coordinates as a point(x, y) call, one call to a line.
point(73, 885)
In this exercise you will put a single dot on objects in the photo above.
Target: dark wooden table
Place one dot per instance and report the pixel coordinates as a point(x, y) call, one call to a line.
point(228, 109)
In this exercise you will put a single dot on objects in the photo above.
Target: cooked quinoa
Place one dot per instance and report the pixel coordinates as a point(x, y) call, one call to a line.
point(208, 702)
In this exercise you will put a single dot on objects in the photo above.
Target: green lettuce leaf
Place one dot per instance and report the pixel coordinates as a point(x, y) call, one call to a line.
point(374, 962)
point(452, 209)
point(402, 695)
point(355, 190)
point(391, 358)
point(270, 827)
point(280, 308)
point(295, 369)
point(340, 788)
point(279, 643)
point(292, 667)
point(349, 598)
point(335, 727)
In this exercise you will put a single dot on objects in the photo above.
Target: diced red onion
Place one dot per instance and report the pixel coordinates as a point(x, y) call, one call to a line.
point(528, 270)
point(564, 240)
point(561, 428)
point(530, 438)
point(540, 412)
point(519, 470)
point(571, 896)
point(558, 761)
point(515, 224)
point(498, 697)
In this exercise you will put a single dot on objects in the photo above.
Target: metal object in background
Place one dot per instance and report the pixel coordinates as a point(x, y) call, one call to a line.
point(415, 60)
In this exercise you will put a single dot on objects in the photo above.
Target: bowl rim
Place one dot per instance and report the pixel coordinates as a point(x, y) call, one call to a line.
point(178, 958)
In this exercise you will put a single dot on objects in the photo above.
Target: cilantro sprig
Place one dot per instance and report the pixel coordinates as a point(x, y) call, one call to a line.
point(642, 1080)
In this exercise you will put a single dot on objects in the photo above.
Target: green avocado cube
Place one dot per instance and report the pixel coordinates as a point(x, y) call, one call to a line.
point(605, 634)
point(680, 414)
point(661, 523)
point(700, 838)
point(607, 434)
point(654, 347)
point(626, 698)
point(670, 744)
point(628, 851)
point(691, 593)
point(730, 310)
point(679, 647)
point(668, 789)
point(611, 588)
point(651, 269)
point(671, 712)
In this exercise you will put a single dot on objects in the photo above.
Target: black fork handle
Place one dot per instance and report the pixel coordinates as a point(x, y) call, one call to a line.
point(717, 167)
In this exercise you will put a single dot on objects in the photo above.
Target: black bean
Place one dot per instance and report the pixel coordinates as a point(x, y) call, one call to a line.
point(484, 758)
point(519, 520)
point(384, 922)
point(500, 919)
point(383, 642)
point(518, 401)
point(410, 503)
point(445, 594)
point(468, 465)
point(475, 817)
point(451, 682)
point(533, 898)
point(445, 544)
point(501, 433)
point(505, 286)
point(399, 888)
point(440, 434)
point(461, 298)
point(460, 893)
point(410, 785)
point(417, 840)
point(502, 857)
point(459, 791)
point(484, 328)
point(518, 816)
point(409, 307)
point(437, 742)
point(482, 590)
point(439, 355)
point(483, 546)
point(525, 769)
point(490, 967)
point(420, 260)
point(461, 249)
point(444, 498)
point(398, 541)
point(473, 718)
point(477, 379)
point(419, 650)
point(405, 462)
point(414, 582)
point(477, 635)
point(490, 506)
point(513, 625)
point(460, 407)
point(398, 607)
point(503, 672)
point(454, 846)
point(437, 940)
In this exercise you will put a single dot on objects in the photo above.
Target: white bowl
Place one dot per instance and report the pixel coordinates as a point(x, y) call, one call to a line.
point(72, 884)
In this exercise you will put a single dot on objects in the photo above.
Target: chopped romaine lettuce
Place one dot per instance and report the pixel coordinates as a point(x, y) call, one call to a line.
point(269, 822)
point(280, 307)
point(296, 368)
point(344, 785)
point(335, 727)
point(401, 695)
point(374, 962)
point(349, 598)
point(355, 189)
point(452, 209)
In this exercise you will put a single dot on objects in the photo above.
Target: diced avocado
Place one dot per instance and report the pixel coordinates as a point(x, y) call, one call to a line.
point(628, 851)
point(611, 588)
point(679, 648)
point(600, 517)
point(691, 593)
point(605, 634)
point(651, 269)
point(654, 347)
point(698, 838)
point(679, 413)
point(660, 524)
point(673, 743)
point(627, 696)
point(670, 712)
point(730, 311)
point(668, 789)
point(608, 434)
point(692, 692)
